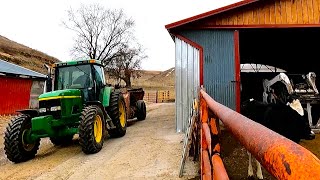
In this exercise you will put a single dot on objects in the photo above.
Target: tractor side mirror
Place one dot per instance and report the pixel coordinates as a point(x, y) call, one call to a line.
point(48, 82)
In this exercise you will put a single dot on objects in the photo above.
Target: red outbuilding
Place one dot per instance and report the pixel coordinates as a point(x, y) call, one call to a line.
point(19, 88)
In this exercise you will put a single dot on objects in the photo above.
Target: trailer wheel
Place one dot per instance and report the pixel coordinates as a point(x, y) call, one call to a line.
point(61, 140)
point(15, 145)
point(141, 110)
point(91, 130)
point(117, 112)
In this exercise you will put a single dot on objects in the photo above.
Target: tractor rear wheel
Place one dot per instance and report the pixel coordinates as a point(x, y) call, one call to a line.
point(61, 140)
point(15, 145)
point(92, 129)
point(117, 112)
point(141, 110)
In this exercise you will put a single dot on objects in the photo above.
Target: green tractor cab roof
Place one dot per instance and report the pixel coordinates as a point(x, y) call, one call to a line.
point(78, 62)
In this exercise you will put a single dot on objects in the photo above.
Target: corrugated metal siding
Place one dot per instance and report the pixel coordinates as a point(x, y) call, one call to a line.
point(219, 64)
point(10, 68)
point(14, 94)
point(187, 81)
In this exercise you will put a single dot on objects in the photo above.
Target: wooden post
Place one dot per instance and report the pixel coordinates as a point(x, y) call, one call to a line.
point(163, 96)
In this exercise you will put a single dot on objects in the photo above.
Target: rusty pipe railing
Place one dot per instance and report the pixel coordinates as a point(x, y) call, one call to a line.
point(211, 163)
point(281, 157)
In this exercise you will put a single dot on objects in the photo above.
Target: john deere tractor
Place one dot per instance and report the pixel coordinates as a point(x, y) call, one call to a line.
point(78, 102)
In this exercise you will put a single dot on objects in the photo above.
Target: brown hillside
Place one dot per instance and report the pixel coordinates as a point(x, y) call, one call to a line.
point(165, 78)
point(24, 56)
point(151, 79)
point(145, 74)
point(155, 78)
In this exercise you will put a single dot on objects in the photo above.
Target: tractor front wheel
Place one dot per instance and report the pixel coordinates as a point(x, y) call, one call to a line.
point(117, 112)
point(16, 146)
point(91, 130)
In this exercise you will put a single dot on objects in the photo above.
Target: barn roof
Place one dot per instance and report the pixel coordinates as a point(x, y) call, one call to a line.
point(208, 14)
point(13, 69)
point(254, 14)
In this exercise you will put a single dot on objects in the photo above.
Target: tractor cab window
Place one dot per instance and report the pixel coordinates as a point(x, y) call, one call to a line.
point(99, 75)
point(74, 77)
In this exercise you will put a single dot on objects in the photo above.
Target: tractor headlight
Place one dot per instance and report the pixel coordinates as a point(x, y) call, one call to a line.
point(42, 110)
point(55, 108)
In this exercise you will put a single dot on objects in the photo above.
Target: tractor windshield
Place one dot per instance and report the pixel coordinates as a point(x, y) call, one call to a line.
point(73, 77)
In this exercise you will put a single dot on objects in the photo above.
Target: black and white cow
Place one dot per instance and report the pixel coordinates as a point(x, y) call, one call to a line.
point(280, 118)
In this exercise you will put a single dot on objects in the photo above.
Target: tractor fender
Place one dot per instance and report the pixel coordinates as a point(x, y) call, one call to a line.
point(31, 112)
point(107, 118)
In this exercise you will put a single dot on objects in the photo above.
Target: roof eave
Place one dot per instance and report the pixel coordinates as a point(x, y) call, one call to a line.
point(207, 14)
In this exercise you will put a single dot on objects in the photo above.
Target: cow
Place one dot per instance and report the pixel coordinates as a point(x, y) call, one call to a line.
point(281, 118)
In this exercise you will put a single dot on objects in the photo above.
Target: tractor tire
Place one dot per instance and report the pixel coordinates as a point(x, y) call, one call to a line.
point(91, 129)
point(16, 149)
point(117, 113)
point(61, 140)
point(141, 110)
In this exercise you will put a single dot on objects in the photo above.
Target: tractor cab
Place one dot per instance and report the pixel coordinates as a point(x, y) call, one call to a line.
point(87, 76)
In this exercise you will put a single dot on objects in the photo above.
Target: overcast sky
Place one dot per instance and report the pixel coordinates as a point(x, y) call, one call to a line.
point(37, 24)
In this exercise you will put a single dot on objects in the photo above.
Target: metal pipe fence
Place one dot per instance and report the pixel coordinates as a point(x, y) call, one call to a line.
point(281, 157)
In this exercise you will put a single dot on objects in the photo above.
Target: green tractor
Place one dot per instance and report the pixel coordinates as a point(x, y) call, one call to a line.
point(81, 103)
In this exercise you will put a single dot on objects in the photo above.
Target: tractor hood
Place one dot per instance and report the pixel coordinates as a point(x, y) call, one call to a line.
point(61, 94)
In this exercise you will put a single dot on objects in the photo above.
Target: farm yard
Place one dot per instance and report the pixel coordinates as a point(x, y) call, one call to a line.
point(110, 119)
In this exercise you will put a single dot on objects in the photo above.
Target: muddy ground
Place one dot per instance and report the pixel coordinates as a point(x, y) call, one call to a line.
point(151, 149)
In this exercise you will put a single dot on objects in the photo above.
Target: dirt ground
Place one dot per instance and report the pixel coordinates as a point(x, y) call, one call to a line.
point(151, 149)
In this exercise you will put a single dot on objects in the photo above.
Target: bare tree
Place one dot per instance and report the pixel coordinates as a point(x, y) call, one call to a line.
point(127, 63)
point(100, 32)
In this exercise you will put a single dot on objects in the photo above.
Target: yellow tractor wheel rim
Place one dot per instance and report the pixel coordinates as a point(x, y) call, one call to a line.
point(97, 128)
point(26, 146)
point(122, 114)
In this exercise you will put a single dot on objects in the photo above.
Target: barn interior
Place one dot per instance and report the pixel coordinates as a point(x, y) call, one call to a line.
point(294, 50)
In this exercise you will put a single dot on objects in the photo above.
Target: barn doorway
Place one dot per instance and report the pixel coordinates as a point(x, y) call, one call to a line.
point(293, 50)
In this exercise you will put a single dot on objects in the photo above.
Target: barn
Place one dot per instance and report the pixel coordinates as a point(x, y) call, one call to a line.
point(19, 88)
point(211, 47)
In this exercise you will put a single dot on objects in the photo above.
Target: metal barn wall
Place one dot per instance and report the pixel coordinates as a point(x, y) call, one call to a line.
point(219, 63)
point(14, 94)
point(187, 81)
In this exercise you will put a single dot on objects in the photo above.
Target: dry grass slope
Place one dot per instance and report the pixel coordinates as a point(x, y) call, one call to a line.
point(24, 56)
point(156, 79)
point(157, 84)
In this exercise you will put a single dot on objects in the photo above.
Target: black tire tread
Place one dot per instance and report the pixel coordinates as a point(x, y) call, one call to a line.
point(113, 111)
point(141, 110)
point(86, 131)
point(12, 141)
